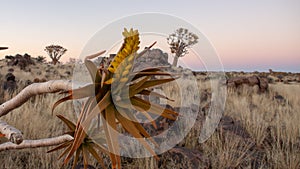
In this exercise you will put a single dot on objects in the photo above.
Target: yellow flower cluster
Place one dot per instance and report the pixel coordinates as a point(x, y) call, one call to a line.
point(129, 47)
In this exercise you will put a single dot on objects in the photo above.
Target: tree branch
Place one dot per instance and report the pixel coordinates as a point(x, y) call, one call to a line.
point(12, 134)
point(51, 86)
point(36, 143)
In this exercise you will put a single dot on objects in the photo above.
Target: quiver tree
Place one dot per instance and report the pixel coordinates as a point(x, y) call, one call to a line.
point(55, 52)
point(180, 41)
point(107, 102)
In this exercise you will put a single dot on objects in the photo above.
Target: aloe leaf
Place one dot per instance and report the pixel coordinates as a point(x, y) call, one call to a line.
point(70, 124)
point(65, 152)
point(106, 101)
point(95, 155)
point(131, 128)
point(64, 145)
point(155, 109)
point(110, 128)
point(129, 115)
point(76, 158)
point(151, 83)
point(153, 93)
point(85, 156)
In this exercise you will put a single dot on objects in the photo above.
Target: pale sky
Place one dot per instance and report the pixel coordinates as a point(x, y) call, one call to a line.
point(247, 35)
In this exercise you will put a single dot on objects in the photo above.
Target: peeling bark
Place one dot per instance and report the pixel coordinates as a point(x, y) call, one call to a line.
point(51, 86)
point(36, 143)
point(12, 134)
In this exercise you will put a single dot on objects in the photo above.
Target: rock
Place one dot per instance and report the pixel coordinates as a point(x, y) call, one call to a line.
point(68, 73)
point(228, 124)
point(11, 70)
point(180, 157)
point(253, 80)
point(10, 77)
point(279, 97)
point(81, 166)
point(10, 84)
point(261, 82)
point(152, 58)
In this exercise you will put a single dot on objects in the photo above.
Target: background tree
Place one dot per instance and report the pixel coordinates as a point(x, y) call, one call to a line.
point(55, 52)
point(180, 41)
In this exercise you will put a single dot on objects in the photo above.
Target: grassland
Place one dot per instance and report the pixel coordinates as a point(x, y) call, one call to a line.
point(265, 132)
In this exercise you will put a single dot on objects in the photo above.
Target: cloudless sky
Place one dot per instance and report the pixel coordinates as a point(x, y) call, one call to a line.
point(247, 35)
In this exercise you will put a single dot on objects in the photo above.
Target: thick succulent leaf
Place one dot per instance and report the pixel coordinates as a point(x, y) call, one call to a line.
point(78, 140)
point(92, 68)
point(91, 102)
point(60, 101)
point(63, 145)
point(80, 93)
point(155, 94)
point(130, 127)
point(150, 69)
point(155, 109)
point(95, 155)
point(110, 128)
point(151, 120)
point(65, 151)
point(83, 92)
point(70, 124)
point(80, 134)
point(125, 108)
point(106, 101)
point(134, 87)
point(149, 84)
point(84, 122)
point(85, 156)
point(155, 82)
point(127, 114)
point(100, 148)
point(76, 158)
point(138, 75)
point(95, 55)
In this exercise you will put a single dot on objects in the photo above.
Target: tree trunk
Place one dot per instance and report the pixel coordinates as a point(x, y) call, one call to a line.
point(175, 61)
point(54, 61)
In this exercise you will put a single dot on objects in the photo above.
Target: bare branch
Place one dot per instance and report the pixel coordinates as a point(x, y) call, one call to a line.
point(12, 134)
point(36, 143)
point(51, 86)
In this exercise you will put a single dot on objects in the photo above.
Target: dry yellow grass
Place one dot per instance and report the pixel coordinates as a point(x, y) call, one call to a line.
point(273, 126)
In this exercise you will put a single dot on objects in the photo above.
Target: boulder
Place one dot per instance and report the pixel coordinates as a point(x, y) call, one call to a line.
point(152, 58)
point(9, 84)
point(228, 124)
point(261, 82)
